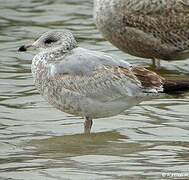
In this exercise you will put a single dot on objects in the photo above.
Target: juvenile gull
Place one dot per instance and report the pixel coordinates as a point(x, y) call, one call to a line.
point(88, 83)
point(155, 29)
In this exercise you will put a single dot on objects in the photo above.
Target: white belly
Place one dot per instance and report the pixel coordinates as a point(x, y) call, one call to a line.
point(78, 105)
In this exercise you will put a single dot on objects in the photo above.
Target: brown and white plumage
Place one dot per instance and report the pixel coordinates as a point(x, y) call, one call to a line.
point(88, 83)
point(148, 28)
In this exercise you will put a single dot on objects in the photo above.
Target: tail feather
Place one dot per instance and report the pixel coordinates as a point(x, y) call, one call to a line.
point(152, 82)
point(175, 86)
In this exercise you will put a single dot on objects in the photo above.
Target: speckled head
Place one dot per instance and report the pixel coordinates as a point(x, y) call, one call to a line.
point(53, 39)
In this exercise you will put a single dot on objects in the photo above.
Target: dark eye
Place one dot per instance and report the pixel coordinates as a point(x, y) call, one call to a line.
point(49, 41)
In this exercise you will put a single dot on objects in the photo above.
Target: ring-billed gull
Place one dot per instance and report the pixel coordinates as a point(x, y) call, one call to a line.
point(155, 29)
point(88, 83)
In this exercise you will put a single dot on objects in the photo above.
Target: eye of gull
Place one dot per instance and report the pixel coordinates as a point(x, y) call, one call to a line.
point(49, 41)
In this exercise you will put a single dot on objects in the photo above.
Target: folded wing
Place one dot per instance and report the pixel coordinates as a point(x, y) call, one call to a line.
point(98, 75)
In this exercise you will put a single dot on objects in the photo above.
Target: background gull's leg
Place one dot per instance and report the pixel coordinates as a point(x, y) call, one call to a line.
point(156, 63)
point(87, 125)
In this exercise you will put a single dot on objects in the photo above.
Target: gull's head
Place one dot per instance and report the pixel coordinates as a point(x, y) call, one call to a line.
point(52, 40)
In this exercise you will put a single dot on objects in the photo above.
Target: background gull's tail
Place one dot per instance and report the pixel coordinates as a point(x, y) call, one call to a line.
point(175, 86)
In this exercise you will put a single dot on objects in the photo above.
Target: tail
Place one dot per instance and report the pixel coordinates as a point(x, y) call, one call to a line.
point(152, 81)
point(175, 86)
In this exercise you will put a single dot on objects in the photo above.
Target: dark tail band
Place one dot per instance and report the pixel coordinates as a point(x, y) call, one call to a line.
point(176, 86)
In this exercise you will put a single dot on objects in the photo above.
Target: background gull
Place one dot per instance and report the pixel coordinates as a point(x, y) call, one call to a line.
point(88, 83)
point(157, 29)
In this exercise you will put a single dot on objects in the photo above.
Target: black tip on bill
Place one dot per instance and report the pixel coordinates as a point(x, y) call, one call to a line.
point(22, 48)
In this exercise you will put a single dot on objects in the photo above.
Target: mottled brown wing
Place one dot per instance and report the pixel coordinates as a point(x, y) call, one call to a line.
point(168, 23)
point(106, 84)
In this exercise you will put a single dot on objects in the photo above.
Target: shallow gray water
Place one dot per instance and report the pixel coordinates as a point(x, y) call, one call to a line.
point(38, 142)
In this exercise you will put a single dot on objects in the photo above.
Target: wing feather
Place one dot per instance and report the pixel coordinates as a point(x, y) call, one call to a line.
point(105, 84)
point(100, 76)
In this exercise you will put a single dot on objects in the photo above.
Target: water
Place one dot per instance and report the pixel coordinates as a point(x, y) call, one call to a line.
point(39, 142)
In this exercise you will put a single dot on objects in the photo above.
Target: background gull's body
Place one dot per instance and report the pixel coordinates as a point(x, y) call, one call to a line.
point(148, 29)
